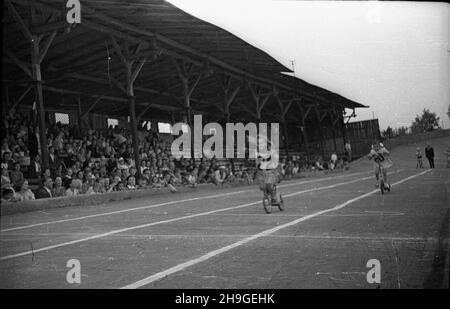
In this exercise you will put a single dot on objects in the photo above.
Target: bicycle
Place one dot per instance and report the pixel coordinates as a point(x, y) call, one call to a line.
point(272, 198)
point(382, 184)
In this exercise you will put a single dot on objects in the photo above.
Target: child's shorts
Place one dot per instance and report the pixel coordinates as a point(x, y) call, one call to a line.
point(267, 178)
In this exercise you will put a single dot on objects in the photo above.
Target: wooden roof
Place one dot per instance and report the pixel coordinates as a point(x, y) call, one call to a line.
point(82, 60)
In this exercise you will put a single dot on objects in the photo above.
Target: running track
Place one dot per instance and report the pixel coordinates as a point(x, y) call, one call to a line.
point(221, 238)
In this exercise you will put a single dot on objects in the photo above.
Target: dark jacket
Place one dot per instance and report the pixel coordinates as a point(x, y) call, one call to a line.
point(33, 144)
point(43, 193)
point(429, 152)
point(67, 180)
point(53, 163)
point(32, 171)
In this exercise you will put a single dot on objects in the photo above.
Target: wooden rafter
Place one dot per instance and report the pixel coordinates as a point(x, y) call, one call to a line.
point(15, 15)
point(92, 106)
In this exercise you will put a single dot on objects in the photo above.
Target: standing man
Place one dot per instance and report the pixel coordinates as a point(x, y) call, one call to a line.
point(429, 153)
point(348, 151)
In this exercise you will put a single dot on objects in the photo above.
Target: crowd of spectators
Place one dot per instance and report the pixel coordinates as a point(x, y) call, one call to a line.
point(297, 165)
point(93, 161)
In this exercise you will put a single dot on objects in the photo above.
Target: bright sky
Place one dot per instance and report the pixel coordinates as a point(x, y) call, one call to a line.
point(392, 56)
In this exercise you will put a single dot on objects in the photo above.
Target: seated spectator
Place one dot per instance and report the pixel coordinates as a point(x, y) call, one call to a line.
point(23, 192)
point(67, 179)
point(80, 175)
point(16, 175)
point(6, 181)
point(295, 169)
point(47, 173)
point(143, 183)
point(333, 161)
point(157, 182)
point(167, 182)
point(88, 186)
point(59, 189)
point(125, 174)
point(73, 188)
point(345, 162)
point(45, 191)
point(121, 165)
point(8, 195)
point(192, 178)
point(146, 175)
point(319, 164)
point(7, 161)
point(289, 169)
point(130, 163)
point(133, 171)
point(131, 183)
point(177, 178)
point(230, 177)
point(121, 187)
point(114, 186)
point(97, 188)
point(5, 147)
point(220, 176)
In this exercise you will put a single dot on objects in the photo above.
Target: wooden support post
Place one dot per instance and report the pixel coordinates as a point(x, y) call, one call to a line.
point(134, 134)
point(334, 137)
point(284, 110)
point(36, 69)
point(131, 75)
point(319, 123)
point(187, 92)
point(79, 112)
point(303, 116)
point(228, 98)
point(37, 56)
point(286, 139)
point(344, 133)
point(259, 99)
point(335, 123)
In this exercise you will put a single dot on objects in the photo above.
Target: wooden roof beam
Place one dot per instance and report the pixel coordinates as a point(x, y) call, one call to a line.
point(15, 60)
point(100, 16)
point(15, 15)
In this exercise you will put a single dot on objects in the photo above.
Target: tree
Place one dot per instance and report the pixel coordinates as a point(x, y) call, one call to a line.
point(387, 133)
point(428, 121)
point(402, 131)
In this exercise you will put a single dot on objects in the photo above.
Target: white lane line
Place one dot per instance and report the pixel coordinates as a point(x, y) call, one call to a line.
point(167, 203)
point(265, 233)
point(306, 237)
point(7, 257)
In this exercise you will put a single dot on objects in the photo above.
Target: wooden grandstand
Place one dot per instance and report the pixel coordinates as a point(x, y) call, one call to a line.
point(148, 60)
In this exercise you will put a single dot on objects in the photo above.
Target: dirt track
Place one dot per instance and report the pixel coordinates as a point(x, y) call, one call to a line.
point(227, 241)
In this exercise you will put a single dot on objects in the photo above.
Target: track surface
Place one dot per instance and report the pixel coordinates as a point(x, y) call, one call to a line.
point(221, 238)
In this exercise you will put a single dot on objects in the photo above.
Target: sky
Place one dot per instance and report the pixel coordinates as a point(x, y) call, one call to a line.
point(391, 56)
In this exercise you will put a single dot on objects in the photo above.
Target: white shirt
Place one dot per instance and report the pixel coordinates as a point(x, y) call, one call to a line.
point(267, 161)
